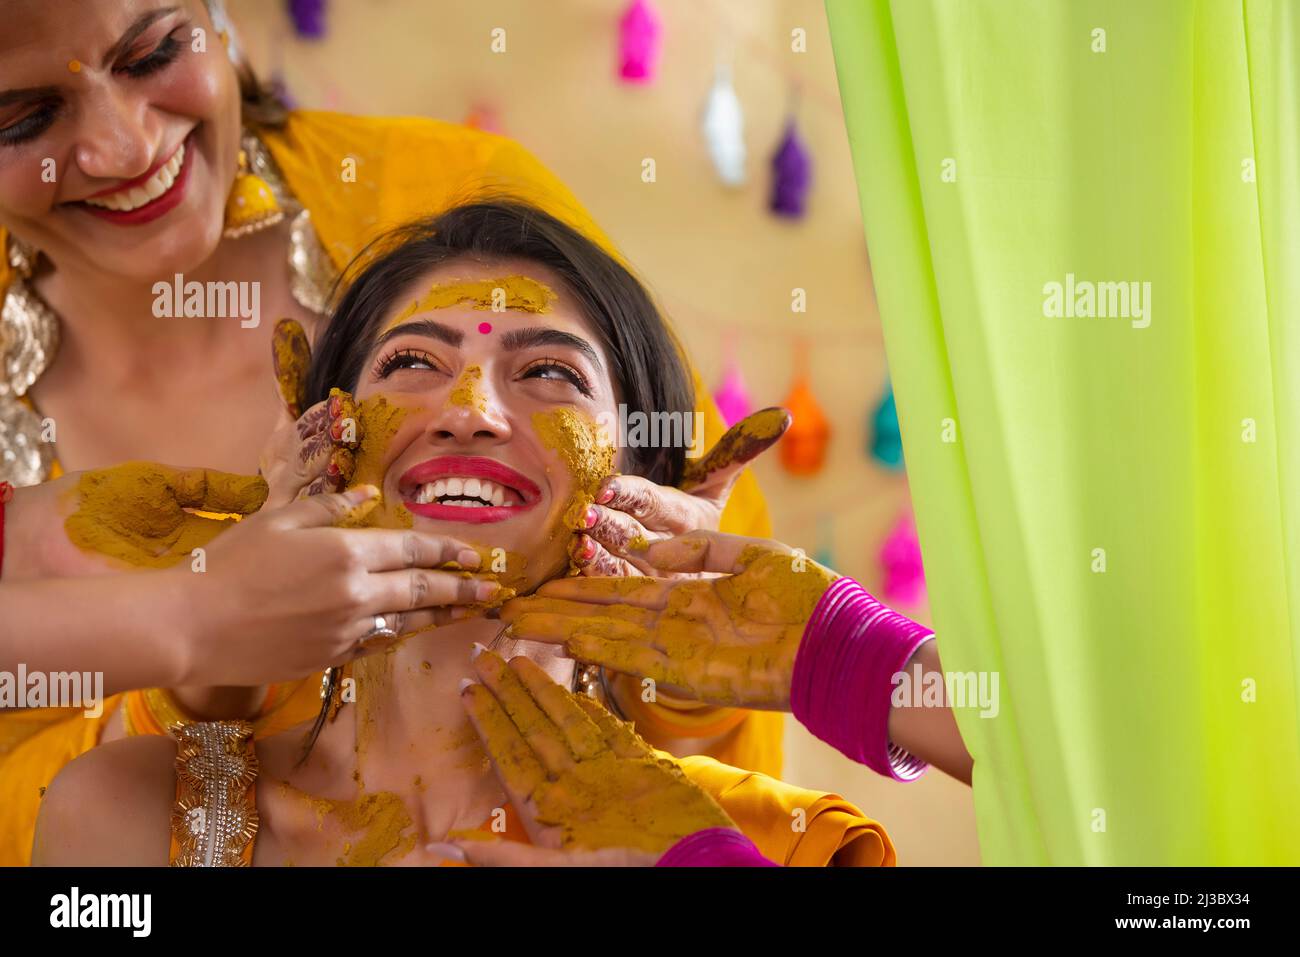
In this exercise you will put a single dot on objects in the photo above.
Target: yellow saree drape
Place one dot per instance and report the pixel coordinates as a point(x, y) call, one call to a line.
point(405, 168)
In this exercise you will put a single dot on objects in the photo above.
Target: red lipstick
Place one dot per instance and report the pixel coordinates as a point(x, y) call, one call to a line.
point(150, 211)
point(468, 466)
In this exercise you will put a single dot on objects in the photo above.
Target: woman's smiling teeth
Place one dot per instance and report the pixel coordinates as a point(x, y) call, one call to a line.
point(464, 492)
point(126, 200)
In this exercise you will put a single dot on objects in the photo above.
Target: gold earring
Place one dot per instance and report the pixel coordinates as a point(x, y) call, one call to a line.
point(251, 206)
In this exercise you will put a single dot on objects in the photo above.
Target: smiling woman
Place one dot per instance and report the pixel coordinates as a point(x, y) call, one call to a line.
point(127, 172)
point(402, 768)
point(574, 329)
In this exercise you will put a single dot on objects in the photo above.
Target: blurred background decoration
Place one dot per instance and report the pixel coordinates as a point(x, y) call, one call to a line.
point(765, 275)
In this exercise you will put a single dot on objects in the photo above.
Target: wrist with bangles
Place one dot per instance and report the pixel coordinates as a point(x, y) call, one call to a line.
point(852, 647)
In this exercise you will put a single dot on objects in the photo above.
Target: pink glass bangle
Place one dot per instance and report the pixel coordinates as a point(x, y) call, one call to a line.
point(852, 648)
point(714, 847)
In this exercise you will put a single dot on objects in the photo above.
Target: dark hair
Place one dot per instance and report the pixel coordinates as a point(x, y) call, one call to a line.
point(261, 105)
point(647, 367)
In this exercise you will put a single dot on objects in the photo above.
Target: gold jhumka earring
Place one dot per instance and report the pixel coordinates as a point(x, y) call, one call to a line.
point(251, 205)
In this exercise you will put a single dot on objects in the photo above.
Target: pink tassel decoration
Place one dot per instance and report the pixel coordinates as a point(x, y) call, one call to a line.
point(900, 558)
point(484, 116)
point(732, 397)
point(638, 32)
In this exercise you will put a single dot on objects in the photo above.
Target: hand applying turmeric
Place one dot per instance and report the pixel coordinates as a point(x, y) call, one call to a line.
point(590, 792)
point(776, 631)
point(629, 512)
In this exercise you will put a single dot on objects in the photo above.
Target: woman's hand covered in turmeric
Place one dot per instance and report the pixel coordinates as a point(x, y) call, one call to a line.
point(287, 592)
point(727, 641)
point(140, 514)
point(274, 596)
point(311, 450)
point(632, 513)
point(590, 791)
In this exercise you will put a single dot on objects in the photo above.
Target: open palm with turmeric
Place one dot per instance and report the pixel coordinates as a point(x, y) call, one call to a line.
point(589, 790)
point(727, 640)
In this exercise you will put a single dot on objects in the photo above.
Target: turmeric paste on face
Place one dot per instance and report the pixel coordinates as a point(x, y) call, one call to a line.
point(143, 513)
point(509, 292)
point(466, 393)
point(577, 440)
point(378, 422)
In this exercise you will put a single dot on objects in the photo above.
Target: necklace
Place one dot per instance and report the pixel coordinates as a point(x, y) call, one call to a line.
point(29, 328)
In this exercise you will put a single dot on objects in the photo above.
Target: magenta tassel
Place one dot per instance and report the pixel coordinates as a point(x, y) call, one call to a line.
point(639, 32)
point(900, 558)
point(791, 175)
point(732, 397)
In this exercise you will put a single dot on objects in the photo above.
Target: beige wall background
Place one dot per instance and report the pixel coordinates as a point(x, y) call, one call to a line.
point(721, 265)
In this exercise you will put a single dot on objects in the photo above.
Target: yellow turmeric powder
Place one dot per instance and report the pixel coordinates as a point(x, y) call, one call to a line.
point(291, 355)
point(145, 514)
point(379, 819)
point(509, 292)
point(770, 599)
point(588, 459)
point(742, 442)
point(604, 800)
point(378, 422)
point(465, 393)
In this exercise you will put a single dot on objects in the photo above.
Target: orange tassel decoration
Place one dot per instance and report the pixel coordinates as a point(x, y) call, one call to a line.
point(803, 448)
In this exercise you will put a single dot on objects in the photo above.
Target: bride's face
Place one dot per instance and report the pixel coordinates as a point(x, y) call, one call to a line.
point(495, 441)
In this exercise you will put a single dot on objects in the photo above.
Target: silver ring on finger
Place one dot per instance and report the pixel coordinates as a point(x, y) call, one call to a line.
point(383, 630)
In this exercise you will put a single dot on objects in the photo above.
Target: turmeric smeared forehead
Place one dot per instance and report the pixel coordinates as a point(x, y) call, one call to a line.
point(508, 292)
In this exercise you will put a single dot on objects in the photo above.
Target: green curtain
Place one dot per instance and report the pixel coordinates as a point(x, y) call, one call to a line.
point(1108, 505)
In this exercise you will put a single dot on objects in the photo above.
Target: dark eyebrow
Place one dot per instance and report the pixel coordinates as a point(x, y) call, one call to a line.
point(424, 327)
point(517, 339)
point(31, 93)
point(142, 23)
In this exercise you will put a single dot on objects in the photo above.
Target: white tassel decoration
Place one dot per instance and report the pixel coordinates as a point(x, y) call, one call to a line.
point(724, 129)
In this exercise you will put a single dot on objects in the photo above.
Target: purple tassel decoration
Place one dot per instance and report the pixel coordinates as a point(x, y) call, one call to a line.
point(308, 18)
point(638, 31)
point(791, 175)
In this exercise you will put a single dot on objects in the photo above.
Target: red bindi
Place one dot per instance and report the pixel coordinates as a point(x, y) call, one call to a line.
point(485, 327)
